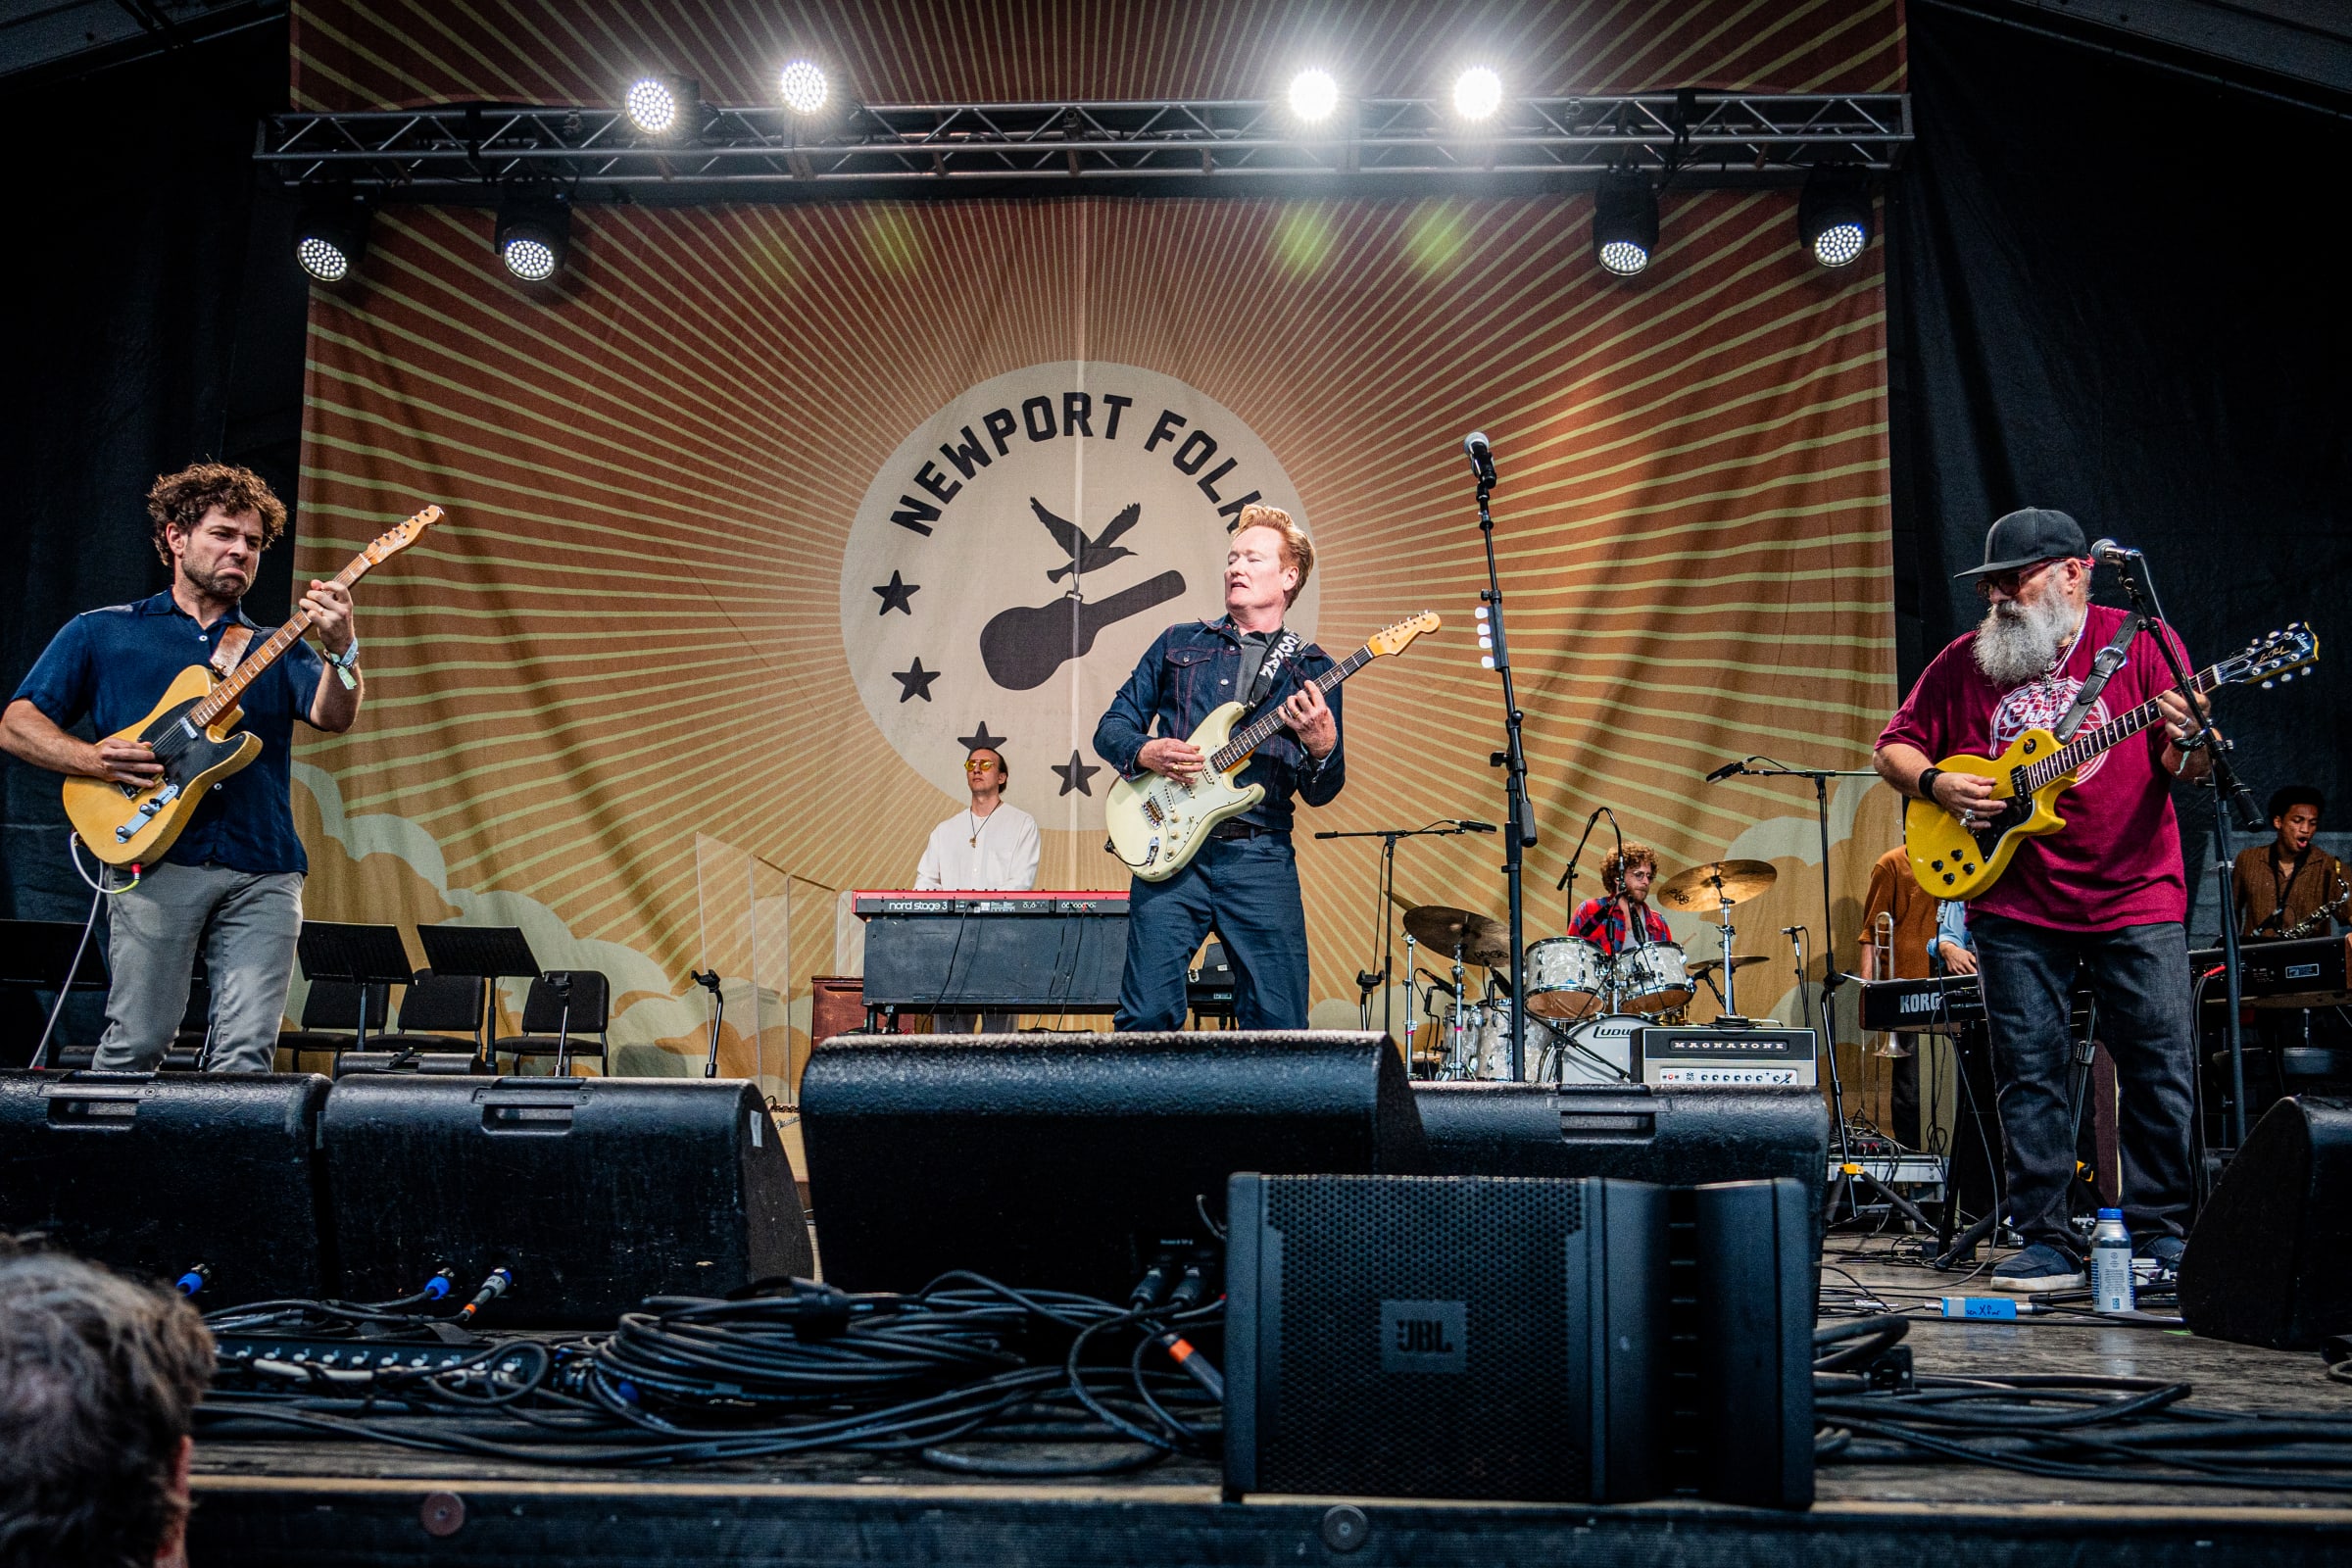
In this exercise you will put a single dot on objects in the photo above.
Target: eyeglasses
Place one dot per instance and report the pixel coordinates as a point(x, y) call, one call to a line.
point(2009, 582)
point(975, 765)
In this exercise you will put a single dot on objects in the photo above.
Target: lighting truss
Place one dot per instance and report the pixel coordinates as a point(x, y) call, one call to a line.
point(1705, 138)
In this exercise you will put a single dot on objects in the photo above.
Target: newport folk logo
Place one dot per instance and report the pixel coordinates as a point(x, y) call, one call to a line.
point(1018, 552)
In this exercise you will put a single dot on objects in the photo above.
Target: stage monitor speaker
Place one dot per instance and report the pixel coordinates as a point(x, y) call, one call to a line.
point(1675, 1137)
point(596, 1192)
point(152, 1175)
point(2269, 1261)
point(1445, 1337)
point(1072, 1162)
point(1751, 1395)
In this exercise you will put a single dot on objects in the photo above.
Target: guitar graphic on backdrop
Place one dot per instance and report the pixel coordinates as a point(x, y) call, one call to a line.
point(1023, 646)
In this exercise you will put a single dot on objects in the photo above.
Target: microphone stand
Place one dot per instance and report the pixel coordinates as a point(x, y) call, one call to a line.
point(1385, 943)
point(1519, 822)
point(708, 981)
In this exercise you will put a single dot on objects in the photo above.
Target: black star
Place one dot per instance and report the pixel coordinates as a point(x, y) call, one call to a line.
point(1074, 776)
point(972, 743)
point(916, 682)
point(896, 594)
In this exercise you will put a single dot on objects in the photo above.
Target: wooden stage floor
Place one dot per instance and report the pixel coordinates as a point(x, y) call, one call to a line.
point(285, 1501)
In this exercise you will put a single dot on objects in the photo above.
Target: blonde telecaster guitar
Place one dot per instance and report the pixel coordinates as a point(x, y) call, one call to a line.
point(1952, 861)
point(1157, 824)
point(193, 733)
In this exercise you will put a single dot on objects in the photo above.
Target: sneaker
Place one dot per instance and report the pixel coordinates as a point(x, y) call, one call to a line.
point(2039, 1267)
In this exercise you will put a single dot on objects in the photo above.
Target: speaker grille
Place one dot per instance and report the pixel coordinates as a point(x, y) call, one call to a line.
point(1510, 1422)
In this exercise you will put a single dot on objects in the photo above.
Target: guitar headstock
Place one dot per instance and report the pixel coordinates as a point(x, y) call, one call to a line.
point(1398, 638)
point(392, 541)
point(2274, 660)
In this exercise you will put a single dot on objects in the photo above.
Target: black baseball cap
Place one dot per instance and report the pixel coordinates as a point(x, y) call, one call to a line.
point(2025, 536)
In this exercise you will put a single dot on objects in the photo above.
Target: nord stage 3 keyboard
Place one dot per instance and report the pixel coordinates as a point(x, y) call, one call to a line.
point(1703, 1057)
point(943, 951)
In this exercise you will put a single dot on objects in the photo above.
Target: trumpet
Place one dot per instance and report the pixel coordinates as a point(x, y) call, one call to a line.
point(1881, 943)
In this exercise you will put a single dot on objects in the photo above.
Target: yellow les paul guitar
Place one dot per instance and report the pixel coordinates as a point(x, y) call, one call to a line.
point(1952, 861)
point(193, 731)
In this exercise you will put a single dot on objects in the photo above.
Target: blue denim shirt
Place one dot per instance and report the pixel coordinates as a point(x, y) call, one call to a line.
point(111, 666)
point(1193, 669)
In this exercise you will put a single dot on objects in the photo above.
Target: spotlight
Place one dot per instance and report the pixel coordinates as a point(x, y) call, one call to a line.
point(1833, 216)
point(533, 234)
point(803, 86)
point(1476, 93)
point(1313, 95)
point(330, 235)
point(1625, 221)
point(662, 106)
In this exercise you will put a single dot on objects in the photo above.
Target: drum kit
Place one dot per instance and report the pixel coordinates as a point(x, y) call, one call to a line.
point(1585, 1008)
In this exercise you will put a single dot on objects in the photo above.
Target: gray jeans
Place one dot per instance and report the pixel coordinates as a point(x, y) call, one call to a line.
point(246, 922)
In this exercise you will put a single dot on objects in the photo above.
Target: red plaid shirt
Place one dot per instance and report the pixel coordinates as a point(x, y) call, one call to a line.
point(1603, 923)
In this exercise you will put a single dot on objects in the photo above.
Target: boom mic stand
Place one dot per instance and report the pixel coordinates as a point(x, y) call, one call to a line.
point(1385, 943)
point(708, 981)
point(1519, 820)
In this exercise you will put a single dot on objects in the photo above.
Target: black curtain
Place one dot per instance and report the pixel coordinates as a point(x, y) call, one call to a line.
point(2112, 291)
point(158, 319)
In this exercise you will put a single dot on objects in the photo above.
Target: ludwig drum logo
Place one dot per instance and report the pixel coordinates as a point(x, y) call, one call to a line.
point(1018, 552)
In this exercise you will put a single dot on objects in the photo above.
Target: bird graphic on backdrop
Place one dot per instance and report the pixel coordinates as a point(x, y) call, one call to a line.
point(1087, 555)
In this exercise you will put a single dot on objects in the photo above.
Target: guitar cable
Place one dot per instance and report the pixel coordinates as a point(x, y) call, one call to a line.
point(57, 1008)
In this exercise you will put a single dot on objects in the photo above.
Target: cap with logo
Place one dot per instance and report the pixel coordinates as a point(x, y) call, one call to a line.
point(2025, 536)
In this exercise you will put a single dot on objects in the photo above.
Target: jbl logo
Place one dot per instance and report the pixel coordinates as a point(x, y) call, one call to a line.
point(1423, 1336)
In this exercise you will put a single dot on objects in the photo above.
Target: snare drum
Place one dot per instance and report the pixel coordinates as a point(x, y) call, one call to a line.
point(1598, 1051)
point(1565, 977)
point(1652, 978)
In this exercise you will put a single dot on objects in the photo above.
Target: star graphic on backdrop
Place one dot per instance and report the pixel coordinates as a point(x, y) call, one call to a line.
point(914, 682)
point(981, 737)
point(896, 593)
point(1075, 776)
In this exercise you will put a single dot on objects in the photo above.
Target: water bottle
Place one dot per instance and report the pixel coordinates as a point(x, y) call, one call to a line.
point(2111, 1263)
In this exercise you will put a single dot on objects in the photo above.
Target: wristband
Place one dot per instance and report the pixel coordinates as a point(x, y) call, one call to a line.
point(347, 657)
point(1926, 784)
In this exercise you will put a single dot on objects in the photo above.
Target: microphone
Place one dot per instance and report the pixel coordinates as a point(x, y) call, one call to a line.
point(708, 981)
point(2113, 554)
point(1469, 827)
point(1727, 770)
point(1482, 458)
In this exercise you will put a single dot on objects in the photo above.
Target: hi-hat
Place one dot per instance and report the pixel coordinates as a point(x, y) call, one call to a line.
point(1484, 941)
point(1709, 887)
point(1707, 967)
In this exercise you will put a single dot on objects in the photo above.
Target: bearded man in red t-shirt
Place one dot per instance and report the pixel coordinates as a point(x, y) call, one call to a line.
point(2106, 895)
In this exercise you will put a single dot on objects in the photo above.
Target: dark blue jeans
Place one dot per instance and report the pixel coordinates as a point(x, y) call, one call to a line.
point(1249, 890)
point(2139, 975)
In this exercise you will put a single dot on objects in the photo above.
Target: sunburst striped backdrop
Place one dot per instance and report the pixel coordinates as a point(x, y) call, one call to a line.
point(609, 699)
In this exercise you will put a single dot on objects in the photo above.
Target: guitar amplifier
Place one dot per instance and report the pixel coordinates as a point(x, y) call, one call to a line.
point(1697, 1056)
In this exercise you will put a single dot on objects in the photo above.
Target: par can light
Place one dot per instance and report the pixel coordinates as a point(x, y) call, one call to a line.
point(802, 87)
point(331, 235)
point(1313, 95)
point(662, 107)
point(1833, 216)
point(1625, 222)
point(533, 234)
point(1476, 93)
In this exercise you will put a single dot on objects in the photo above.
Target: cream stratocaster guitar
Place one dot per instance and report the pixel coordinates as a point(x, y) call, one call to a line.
point(1952, 861)
point(193, 731)
point(1157, 825)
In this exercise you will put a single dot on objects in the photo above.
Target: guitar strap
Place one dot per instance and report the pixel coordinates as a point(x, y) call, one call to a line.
point(2104, 665)
point(227, 656)
point(1270, 670)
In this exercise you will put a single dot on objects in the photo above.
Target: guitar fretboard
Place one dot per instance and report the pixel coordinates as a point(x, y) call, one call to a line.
point(2089, 743)
point(1261, 730)
point(224, 696)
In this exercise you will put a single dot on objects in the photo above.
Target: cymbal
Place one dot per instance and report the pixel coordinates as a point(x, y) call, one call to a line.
point(1438, 926)
point(1697, 889)
point(1710, 965)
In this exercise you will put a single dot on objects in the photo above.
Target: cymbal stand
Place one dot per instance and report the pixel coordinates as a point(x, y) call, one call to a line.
point(1412, 1019)
point(1460, 1040)
point(1384, 896)
point(1731, 982)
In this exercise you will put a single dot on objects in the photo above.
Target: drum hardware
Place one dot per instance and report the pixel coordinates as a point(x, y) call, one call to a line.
point(1721, 883)
point(1385, 943)
point(1481, 941)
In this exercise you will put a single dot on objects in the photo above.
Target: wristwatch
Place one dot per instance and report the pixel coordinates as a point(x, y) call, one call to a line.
point(1926, 784)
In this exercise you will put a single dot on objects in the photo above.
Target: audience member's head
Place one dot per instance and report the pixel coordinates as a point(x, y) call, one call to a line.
point(99, 1380)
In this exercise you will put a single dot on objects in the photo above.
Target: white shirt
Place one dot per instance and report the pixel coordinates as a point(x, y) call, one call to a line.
point(1004, 860)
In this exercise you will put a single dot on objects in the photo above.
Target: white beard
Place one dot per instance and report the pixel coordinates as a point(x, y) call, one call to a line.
point(2018, 642)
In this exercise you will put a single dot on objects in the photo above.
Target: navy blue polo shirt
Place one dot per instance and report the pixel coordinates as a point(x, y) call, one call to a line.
point(111, 666)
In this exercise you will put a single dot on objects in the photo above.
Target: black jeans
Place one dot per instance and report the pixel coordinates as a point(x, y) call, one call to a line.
point(1249, 890)
point(2139, 975)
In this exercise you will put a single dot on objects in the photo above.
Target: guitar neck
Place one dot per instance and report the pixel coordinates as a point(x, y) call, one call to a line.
point(223, 697)
point(2090, 743)
point(1261, 730)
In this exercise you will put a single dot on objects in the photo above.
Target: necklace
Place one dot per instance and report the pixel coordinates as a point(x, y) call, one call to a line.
point(979, 825)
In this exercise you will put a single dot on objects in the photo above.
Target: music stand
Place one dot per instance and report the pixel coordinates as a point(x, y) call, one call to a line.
point(362, 956)
point(488, 952)
point(41, 956)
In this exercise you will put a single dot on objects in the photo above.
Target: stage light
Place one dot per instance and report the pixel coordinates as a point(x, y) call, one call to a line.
point(1476, 93)
point(1833, 216)
point(1313, 95)
point(330, 235)
point(803, 86)
point(662, 106)
point(533, 235)
point(1625, 222)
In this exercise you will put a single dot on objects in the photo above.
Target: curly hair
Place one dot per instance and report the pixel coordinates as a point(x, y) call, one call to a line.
point(180, 501)
point(1298, 550)
point(99, 1380)
point(1612, 869)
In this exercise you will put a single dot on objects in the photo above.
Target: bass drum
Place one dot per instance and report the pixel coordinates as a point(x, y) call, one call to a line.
point(1566, 977)
point(1653, 978)
point(1598, 1051)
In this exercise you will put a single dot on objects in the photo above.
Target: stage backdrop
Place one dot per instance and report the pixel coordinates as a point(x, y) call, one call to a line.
point(760, 519)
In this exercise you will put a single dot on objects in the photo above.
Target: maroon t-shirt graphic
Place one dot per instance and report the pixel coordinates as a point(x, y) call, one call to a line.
point(2116, 862)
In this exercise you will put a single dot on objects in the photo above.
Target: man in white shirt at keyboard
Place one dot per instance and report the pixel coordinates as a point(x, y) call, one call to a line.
point(989, 845)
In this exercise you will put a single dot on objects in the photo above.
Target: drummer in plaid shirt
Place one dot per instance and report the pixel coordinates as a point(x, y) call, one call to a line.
point(1607, 923)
